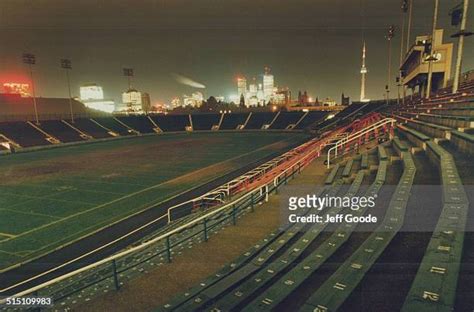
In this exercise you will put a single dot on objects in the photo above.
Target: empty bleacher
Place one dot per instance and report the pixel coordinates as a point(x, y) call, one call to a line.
point(311, 118)
point(231, 121)
point(91, 128)
point(259, 119)
point(23, 134)
point(286, 120)
point(171, 123)
point(140, 123)
point(113, 125)
point(205, 121)
point(60, 130)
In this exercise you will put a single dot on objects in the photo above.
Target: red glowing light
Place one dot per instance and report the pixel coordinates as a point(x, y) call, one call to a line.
point(22, 89)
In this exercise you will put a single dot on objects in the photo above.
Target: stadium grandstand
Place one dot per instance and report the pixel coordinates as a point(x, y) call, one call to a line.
point(265, 203)
point(391, 152)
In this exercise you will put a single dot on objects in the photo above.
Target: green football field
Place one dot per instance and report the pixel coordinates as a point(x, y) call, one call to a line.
point(52, 197)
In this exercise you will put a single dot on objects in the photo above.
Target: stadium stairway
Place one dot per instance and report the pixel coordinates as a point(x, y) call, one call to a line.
point(229, 300)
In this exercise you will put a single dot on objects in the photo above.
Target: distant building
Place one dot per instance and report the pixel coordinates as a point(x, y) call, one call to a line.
point(259, 93)
point(175, 102)
point(195, 100)
point(146, 102)
point(132, 101)
point(282, 97)
point(241, 86)
point(329, 102)
point(345, 100)
point(268, 85)
point(92, 96)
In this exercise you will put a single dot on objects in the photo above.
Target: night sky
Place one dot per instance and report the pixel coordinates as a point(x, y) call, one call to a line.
point(312, 45)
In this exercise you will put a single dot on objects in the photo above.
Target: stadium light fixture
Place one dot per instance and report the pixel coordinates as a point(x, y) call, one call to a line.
point(430, 59)
point(30, 60)
point(67, 65)
point(404, 9)
point(461, 34)
point(390, 35)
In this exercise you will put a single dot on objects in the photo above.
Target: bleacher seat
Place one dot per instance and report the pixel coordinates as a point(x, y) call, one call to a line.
point(139, 123)
point(286, 119)
point(23, 134)
point(232, 120)
point(60, 130)
point(311, 118)
point(171, 123)
point(258, 119)
point(89, 127)
point(205, 121)
point(113, 125)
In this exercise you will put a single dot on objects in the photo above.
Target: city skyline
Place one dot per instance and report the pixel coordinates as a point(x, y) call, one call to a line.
point(307, 46)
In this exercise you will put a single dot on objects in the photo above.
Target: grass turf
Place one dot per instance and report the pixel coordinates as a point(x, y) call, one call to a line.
point(52, 197)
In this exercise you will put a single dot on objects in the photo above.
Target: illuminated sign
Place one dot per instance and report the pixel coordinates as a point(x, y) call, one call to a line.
point(17, 88)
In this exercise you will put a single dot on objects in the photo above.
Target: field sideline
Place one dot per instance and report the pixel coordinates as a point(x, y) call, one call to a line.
point(52, 197)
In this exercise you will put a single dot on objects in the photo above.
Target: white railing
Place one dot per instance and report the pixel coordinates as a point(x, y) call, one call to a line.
point(259, 188)
point(357, 135)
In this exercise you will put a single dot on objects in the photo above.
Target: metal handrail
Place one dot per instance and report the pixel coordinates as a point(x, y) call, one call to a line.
point(358, 134)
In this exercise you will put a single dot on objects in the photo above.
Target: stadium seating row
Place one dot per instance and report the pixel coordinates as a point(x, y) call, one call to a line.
point(437, 276)
point(220, 299)
point(337, 288)
point(289, 282)
point(28, 134)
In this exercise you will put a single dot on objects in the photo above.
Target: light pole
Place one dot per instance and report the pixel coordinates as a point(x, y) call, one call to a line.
point(432, 58)
point(410, 14)
point(404, 8)
point(390, 35)
point(461, 34)
point(67, 65)
point(30, 60)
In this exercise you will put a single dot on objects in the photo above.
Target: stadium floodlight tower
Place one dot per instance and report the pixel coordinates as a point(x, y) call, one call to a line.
point(67, 65)
point(404, 9)
point(390, 35)
point(30, 60)
point(456, 14)
point(431, 56)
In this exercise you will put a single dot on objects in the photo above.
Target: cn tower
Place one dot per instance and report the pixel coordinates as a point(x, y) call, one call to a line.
point(363, 71)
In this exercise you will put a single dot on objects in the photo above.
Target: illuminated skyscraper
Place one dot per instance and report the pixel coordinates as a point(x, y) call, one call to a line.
point(241, 86)
point(268, 85)
point(92, 96)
